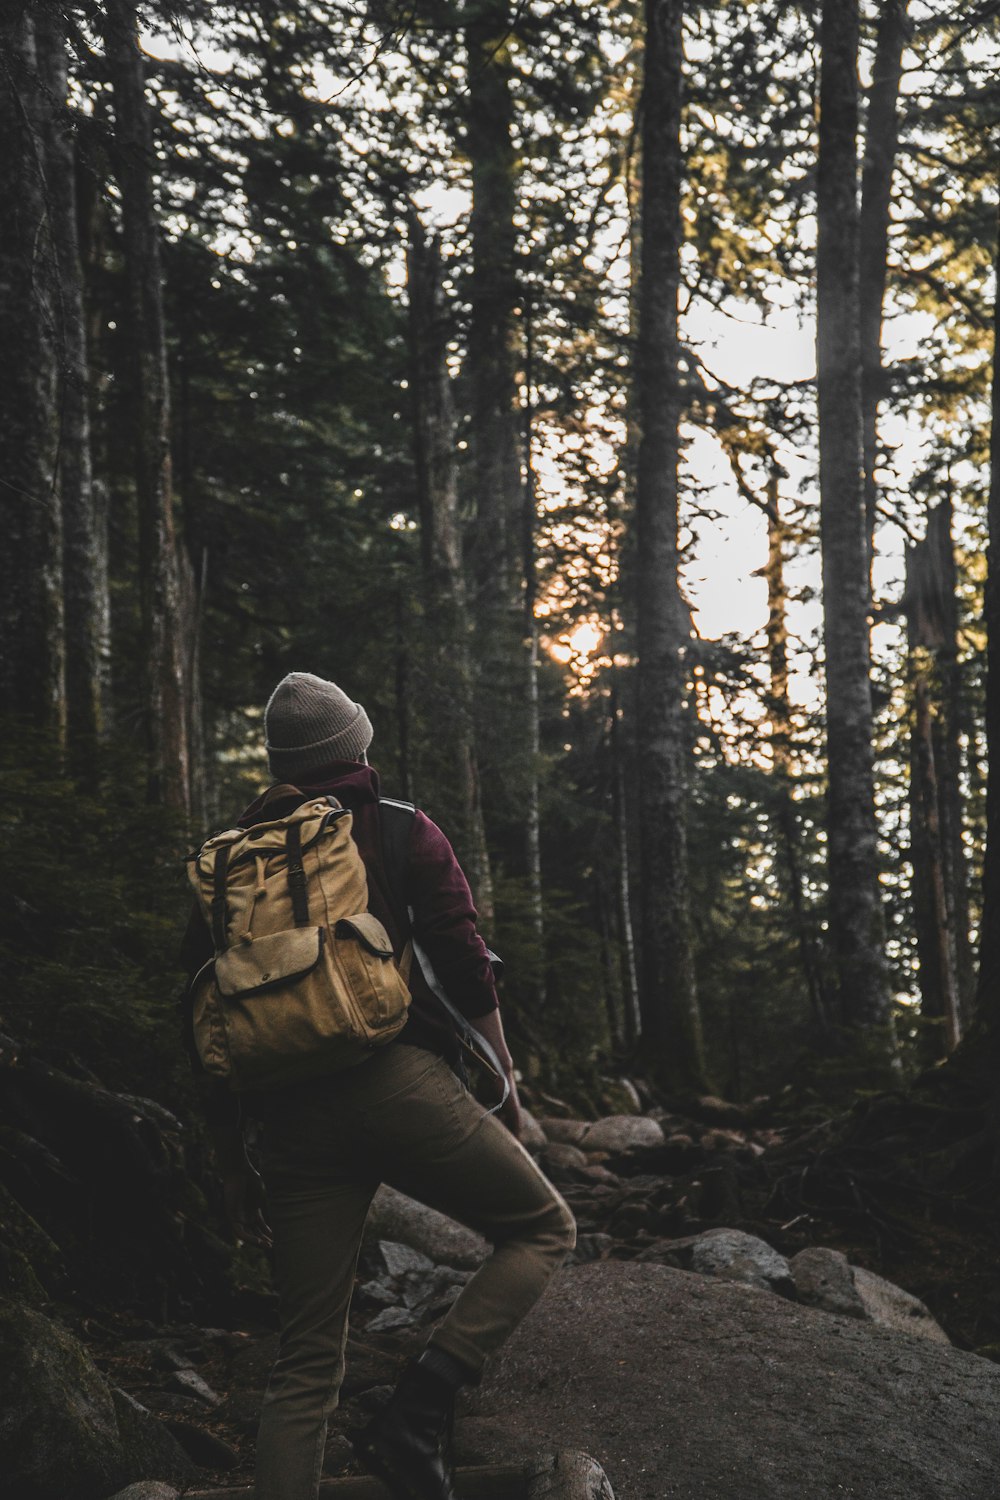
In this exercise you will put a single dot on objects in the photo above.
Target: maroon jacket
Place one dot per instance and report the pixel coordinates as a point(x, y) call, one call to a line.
point(444, 918)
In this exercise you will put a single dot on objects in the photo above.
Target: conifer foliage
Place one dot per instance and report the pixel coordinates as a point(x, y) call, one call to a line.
point(406, 344)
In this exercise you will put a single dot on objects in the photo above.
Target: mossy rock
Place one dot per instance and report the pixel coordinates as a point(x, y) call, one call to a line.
point(64, 1433)
point(30, 1263)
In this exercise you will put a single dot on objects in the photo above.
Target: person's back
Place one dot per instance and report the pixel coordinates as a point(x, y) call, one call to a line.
point(402, 1116)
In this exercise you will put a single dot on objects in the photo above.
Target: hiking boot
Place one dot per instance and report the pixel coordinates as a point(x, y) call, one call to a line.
point(407, 1444)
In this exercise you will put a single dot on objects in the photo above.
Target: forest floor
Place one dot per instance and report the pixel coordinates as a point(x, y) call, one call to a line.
point(849, 1188)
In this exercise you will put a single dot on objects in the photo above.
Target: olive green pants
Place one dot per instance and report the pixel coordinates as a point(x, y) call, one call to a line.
point(403, 1118)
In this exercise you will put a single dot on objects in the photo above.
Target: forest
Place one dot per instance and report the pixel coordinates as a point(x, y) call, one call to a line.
point(603, 394)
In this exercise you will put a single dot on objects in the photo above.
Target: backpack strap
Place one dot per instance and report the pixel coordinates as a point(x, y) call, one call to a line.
point(297, 875)
point(394, 832)
point(220, 910)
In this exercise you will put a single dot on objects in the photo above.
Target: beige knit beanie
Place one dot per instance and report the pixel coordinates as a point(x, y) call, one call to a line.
point(308, 722)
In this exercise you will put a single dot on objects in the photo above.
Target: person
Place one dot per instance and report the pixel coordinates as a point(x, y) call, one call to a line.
point(403, 1117)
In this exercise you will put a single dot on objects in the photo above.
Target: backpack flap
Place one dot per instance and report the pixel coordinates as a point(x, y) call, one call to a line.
point(278, 958)
point(369, 932)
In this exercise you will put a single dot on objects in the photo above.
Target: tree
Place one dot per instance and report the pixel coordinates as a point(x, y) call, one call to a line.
point(441, 547)
point(876, 188)
point(166, 712)
point(856, 923)
point(32, 654)
point(937, 853)
point(85, 542)
point(671, 1020)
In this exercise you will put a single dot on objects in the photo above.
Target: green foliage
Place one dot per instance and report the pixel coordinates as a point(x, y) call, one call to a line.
point(91, 920)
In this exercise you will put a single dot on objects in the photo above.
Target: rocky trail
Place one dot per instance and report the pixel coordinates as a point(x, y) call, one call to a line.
point(710, 1337)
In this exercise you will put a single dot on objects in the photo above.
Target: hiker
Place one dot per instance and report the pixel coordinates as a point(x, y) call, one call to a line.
point(402, 1116)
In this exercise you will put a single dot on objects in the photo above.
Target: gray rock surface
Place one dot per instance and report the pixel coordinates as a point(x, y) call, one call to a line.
point(622, 1133)
point(688, 1388)
point(889, 1305)
point(562, 1154)
point(147, 1489)
point(824, 1278)
point(393, 1216)
point(737, 1256)
point(65, 1433)
point(564, 1132)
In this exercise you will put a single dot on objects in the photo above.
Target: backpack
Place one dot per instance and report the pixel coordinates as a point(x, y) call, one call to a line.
point(303, 981)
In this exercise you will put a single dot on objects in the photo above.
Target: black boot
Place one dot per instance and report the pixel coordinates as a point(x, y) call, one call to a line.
point(407, 1445)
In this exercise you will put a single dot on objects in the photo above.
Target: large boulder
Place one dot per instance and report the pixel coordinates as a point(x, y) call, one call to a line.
point(65, 1434)
point(688, 1386)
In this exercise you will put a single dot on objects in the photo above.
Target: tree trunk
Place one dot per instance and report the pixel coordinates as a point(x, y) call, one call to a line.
point(32, 639)
point(441, 549)
point(493, 334)
point(167, 703)
point(779, 709)
point(856, 922)
point(940, 885)
point(876, 189)
point(85, 542)
point(533, 811)
point(671, 1021)
point(507, 654)
point(632, 1021)
point(982, 1049)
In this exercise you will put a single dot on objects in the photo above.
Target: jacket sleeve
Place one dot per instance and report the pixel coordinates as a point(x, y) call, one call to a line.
point(444, 921)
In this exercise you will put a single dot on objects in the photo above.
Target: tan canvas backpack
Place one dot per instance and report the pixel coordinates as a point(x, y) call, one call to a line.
point(303, 980)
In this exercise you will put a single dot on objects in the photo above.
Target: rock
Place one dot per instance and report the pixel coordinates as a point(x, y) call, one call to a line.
point(203, 1448)
point(891, 1307)
point(30, 1261)
point(533, 1137)
point(150, 1451)
point(694, 1388)
point(402, 1260)
point(190, 1383)
point(736, 1256)
point(823, 1278)
point(564, 1132)
point(147, 1489)
point(378, 1293)
point(392, 1317)
point(569, 1476)
point(619, 1096)
point(65, 1434)
point(719, 1111)
point(723, 1140)
point(395, 1217)
point(622, 1133)
point(590, 1247)
point(339, 1455)
point(559, 1156)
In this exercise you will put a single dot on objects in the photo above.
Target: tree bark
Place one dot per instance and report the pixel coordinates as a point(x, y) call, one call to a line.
point(779, 710)
point(32, 638)
point(85, 541)
point(493, 333)
point(940, 886)
point(987, 1021)
point(167, 704)
point(856, 922)
point(881, 133)
point(441, 549)
point(671, 1020)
